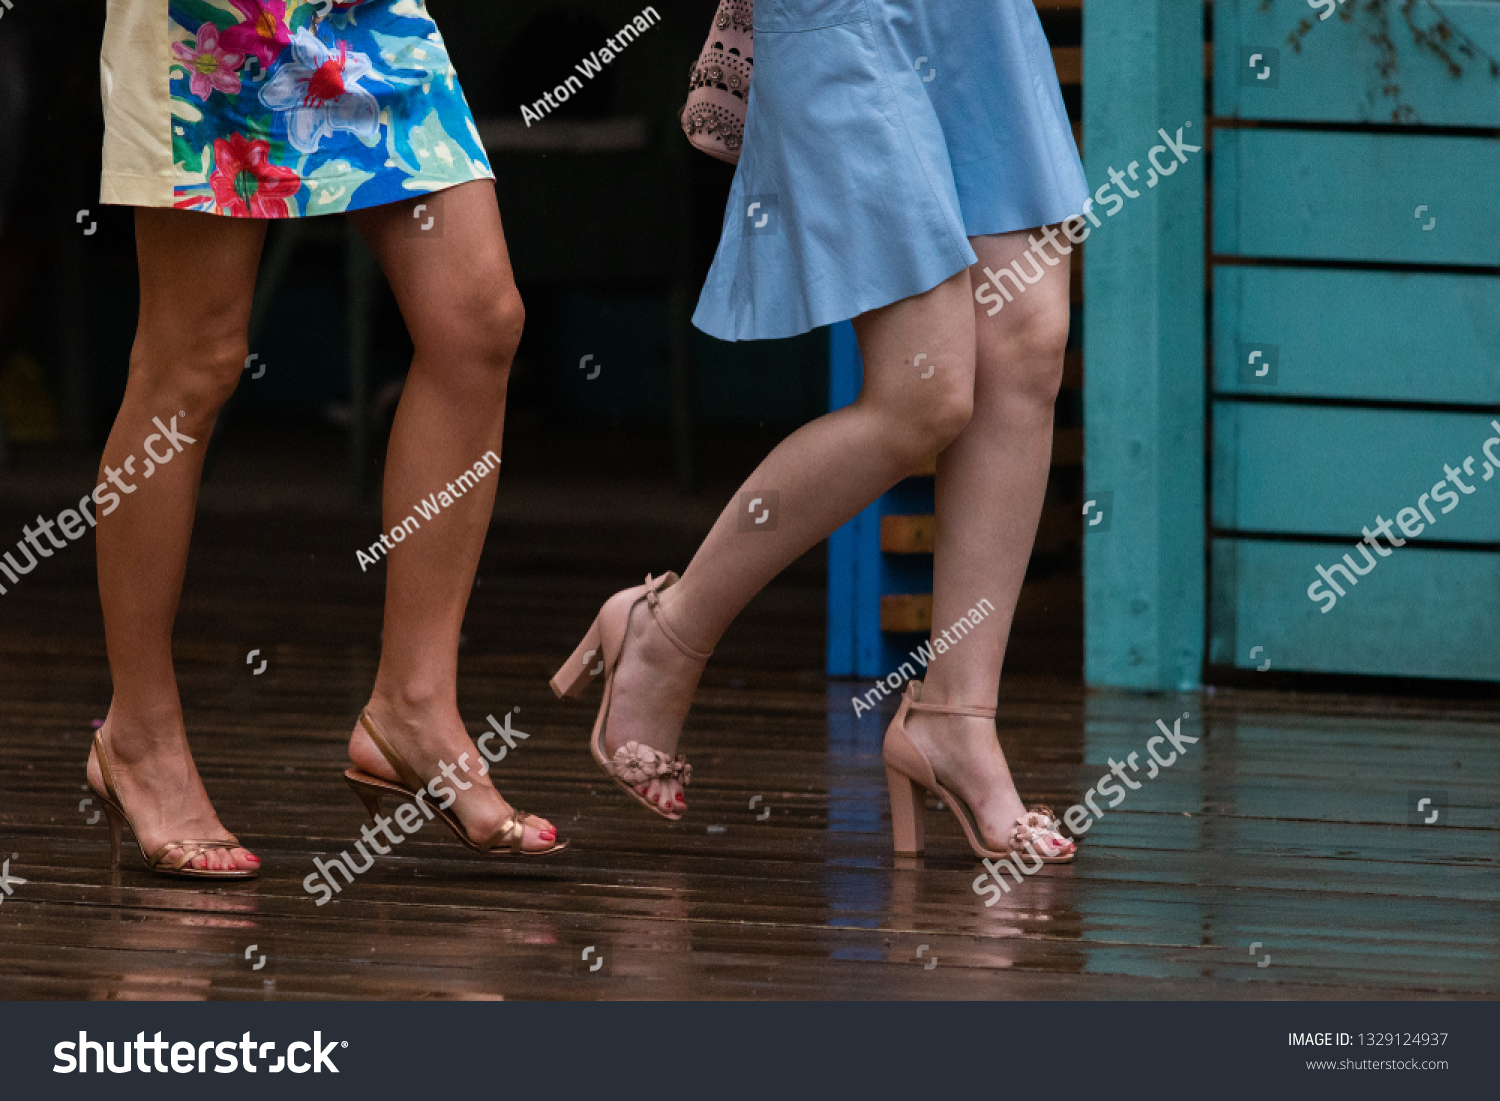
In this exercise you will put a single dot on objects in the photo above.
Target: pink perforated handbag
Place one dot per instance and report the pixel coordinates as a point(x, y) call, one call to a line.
point(714, 117)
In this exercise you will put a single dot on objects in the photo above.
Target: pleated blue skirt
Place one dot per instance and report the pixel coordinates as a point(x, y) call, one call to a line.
point(880, 136)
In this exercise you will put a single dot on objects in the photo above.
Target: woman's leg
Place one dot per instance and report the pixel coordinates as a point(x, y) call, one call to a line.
point(463, 311)
point(916, 398)
point(197, 276)
point(990, 485)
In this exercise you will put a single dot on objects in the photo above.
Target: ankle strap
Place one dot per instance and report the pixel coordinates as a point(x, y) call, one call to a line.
point(943, 709)
point(653, 601)
point(104, 769)
point(408, 774)
point(914, 691)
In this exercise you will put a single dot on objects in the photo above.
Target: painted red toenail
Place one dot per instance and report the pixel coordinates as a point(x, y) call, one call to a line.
point(252, 856)
point(680, 799)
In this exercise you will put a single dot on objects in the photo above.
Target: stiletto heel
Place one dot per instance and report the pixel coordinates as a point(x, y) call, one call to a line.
point(116, 830)
point(161, 861)
point(505, 841)
point(907, 768)
point(633, 764)
point(368, 795)
point(908, 813)
point(579, 671)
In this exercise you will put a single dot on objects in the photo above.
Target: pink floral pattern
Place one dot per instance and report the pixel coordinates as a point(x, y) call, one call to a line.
point(291, 108)
point(210, 67)
point(245, 184)
point(263, 34)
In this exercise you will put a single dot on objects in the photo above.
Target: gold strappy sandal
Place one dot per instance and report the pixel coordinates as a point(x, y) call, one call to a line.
point(162, 862)
point(505, 841)
point(907, 770)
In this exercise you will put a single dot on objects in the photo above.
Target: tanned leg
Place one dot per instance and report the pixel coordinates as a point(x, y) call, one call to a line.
point(197, 275)
point(463, 311)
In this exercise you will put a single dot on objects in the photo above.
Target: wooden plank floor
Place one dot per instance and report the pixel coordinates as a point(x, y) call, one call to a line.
point(1286, 824)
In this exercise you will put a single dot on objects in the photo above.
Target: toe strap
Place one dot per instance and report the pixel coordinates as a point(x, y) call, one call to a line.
point(1040, 827)
point(191, 850)
point(512, 833)
point(637, 764)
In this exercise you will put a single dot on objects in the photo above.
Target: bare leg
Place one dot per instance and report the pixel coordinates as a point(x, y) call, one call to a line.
point(990, 486)
point(197, 282)
point(826, 472)
point(463, 311)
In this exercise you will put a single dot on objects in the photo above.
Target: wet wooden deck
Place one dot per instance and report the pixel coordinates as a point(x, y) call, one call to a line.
point(1286, 825)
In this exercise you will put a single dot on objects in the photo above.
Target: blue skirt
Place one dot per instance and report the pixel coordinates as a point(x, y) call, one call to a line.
point(880, 136)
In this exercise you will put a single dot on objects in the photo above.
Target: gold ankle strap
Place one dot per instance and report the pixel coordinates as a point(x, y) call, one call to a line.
point(104, 769)
point(653, 601)
point(408, 774)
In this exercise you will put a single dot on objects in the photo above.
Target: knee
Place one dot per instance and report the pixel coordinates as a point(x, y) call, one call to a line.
point(473, 345)
point(193, 373)
point(924, 424)
point(1025, 355)
point(497, 321)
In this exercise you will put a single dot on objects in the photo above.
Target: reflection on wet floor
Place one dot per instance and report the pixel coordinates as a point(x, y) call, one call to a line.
point(1292, 832)
point(1286, 853)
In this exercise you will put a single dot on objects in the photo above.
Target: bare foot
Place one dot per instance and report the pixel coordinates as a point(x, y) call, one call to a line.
point(653, 691)
point(427, 737)
point(157, 783)
point(966, 756)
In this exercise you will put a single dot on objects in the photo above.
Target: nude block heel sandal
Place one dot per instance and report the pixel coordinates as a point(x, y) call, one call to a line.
point(908, 771)
point(633, 764)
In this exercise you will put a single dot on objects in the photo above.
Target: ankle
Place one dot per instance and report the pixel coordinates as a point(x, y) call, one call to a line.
point(136, 733)
point(413, 704)
point(682, 621)
point(960, 691)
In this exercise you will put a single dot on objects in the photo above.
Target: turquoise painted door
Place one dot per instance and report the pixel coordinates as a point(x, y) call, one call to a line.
point(1354, 395)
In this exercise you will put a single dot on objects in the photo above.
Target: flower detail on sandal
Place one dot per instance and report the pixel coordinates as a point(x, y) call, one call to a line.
point(631, 766)
point(637, 764)
point(1040, 828)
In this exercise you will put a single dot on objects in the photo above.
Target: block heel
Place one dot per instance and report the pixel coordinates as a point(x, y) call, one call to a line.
point(908, 813)
point(579, 671)
point(908, 772)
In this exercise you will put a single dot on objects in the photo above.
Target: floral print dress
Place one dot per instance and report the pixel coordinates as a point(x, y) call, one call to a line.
point(280, 108)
